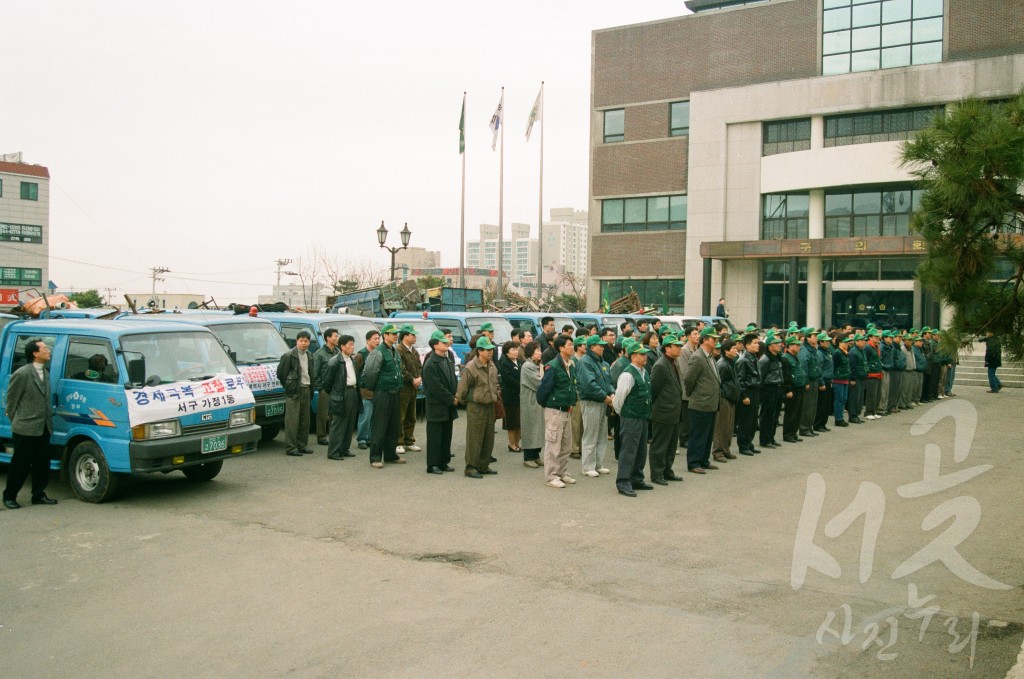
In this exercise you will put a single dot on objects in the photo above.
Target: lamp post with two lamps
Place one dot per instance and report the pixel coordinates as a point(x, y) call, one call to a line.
point(382, 235)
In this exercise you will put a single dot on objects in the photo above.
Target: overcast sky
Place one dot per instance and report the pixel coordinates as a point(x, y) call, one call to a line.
point(214, 137)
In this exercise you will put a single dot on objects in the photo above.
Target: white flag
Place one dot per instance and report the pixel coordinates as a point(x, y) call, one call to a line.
point(535, 112)
point(497, 120)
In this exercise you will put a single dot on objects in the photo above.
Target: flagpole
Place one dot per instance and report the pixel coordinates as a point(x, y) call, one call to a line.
point(501, 201)
point(462, 212)
point(540, 205)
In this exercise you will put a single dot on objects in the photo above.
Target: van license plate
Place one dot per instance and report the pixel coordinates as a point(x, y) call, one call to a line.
point(274, 409)
point(213, 444)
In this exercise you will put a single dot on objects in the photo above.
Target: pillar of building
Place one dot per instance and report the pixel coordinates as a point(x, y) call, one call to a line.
point(706, 293)
point(815, 230)
point(817, 132)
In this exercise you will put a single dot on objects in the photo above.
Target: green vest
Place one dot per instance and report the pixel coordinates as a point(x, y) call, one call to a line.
point(564, 393)
point(638, 401)
point(797, 371)
point(390, 377)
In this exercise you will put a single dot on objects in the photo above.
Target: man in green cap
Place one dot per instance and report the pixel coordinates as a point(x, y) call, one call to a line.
point(487, 330)
point(885, 351)
point(382, 375)
point(811, 365)
point(841, 379)
point(579, 349)
point(899, 366)
point(412, 378)
point(666, 412)
point(478, 389)
point(928, 382)
point(558, 393)
point(632, 401)
point(858, 377)
point(439, 387)
point(770, 366)
point(824, 408)
point(691, 345)
point(794, 387)
point(725, 419)
point(594, 386)
point(704, 392)
point(920, 368)
point(906, 401)
point(873, 384)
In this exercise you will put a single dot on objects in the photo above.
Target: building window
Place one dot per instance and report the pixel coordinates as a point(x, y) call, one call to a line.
point(614, 125)
point(678, 118)
point(876, 126)
point(865, 35)
point(29, 191)
point(784, 215)
point(784, 136)
point(656, 213)
point(881, 211)
point(1, 188)
point(652, 293)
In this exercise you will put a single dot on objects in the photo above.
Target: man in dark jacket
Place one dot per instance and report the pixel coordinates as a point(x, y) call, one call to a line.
point(594, 385)
point(412, 371)
point(321, 358)
point(794, 388)
point(825, 394)
point(770, 366)
point(632, 401)
point(993, 361)
point(811, 365)
point(725, 421)
point(341, 388)
point(382, 375)
point(858, 378)
point(748, 376)
point(439, 386)
point(558, 413)
point(297, 375)
point(704, 393)
point(666, 412)
point(28, 408)
point(841, 379)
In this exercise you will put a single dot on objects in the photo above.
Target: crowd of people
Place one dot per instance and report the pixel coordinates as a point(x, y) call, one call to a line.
point(702, 395)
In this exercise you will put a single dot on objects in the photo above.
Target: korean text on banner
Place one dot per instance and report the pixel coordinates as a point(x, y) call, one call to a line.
point(170, 401)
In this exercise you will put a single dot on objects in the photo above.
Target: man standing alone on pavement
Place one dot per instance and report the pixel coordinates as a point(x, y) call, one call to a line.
point(320, 359)
point(383, 376)
point(666, 412)
point(341, 389)
point(297, 376)
point(704, 391)
point(412, 371)
point(28, 408)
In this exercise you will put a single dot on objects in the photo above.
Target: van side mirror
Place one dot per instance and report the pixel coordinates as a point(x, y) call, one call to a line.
point(233, 355)
point(137, 370)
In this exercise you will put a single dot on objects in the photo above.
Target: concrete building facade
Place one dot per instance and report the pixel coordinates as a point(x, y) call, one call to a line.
point(751, 150)
point(24, 230)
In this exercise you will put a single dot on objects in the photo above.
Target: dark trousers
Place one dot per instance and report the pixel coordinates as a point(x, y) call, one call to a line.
point(632, 453)
point(855, 401)
point(935, 373)
point(684, 426)
point(769, 413)
point(323, 413)
point(407, 406)
point(824, 406)
point(663, 449)
point(296, 419)
point(384, 436)
point(794, 408)
point(698, 449)
point(810, 407)
point(439, 443)
point(31, 455)
point(871, 390)
point(746, 420)
point(895, 388)
point(926, 385)
point(615, 426)
point(344, 412)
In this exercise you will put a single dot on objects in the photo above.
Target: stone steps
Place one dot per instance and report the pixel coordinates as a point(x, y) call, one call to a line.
point(972, 371)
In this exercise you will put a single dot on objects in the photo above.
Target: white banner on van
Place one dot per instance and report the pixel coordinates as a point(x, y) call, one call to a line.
point(261, 377)
point(170, 401)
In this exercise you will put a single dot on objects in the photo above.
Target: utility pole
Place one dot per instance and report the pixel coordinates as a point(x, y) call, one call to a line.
point(281, 263)
point(157, 270)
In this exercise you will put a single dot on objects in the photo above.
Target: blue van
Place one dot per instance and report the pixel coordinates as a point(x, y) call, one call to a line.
point(133, 398)
point(255, 346)
point(290, 324)
point(530, 320)
point(462, 324)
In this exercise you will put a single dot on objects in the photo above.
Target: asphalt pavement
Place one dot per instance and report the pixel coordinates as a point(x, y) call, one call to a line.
point(768, 567)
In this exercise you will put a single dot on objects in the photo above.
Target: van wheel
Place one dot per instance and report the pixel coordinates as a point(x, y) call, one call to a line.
point(91, 478)
point(203, 472)
point(269, 432)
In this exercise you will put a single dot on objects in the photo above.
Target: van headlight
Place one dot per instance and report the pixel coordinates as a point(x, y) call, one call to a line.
point(240, 418)
point(156, 430)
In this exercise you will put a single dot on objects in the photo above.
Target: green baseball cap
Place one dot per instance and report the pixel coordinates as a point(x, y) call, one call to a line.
point(773, 340)
point(824, 337)
point(708, 332)
point(808, 331)
point(736, 337)
point(672, 340)
point(858, 337)
point(874, 332)
point(389, 329)
point(886, 333)
point(487, 326)
point(913, 331)
point(752, 327)
point(790, 341)
point(484, 343)
point(871, 326)
point(718, 345)
point(407, 329)
point(637, 348)
point(580, 341)
point(439, 336)
point(595, 339)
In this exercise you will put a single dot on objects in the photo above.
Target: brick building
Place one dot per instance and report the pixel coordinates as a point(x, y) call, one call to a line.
point(753, 147)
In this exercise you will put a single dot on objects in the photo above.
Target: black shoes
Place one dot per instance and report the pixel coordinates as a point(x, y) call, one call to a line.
point(11, 504)
point(792, 439)
point(447, 468)
point(822, 429)
point(42, 500)
point(488, 471)
point(474, 475)
point(856, 420)
point(335, 456)
point(321, 440)
point(294, 452)
point(673, 477)
point(348, 454)
point(628, 492)
point(748, 453)
point(660, 482)
point(842, 423)
point(434, 470)
point(642, 486)
point(769, 445)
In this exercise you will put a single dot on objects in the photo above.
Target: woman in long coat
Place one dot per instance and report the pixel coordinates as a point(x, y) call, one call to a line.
point(508, 377)
point(531, 415)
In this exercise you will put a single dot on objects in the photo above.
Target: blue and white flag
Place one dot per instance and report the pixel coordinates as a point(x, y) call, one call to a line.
point(497, 120)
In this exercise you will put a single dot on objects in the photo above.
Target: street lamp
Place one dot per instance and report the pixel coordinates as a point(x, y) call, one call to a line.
point(382, 236)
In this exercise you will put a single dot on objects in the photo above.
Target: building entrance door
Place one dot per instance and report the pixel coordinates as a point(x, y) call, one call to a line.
point(884, 308)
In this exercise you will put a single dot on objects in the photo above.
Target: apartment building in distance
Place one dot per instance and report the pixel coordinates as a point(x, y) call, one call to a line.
point(750, 151)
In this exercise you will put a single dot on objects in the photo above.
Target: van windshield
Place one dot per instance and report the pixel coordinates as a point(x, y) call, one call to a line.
point(252, 342)
point(502, 328)
point(349, 326)
point(178, 356)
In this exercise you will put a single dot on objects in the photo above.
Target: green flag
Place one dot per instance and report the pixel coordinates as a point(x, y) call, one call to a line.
point(462, 126)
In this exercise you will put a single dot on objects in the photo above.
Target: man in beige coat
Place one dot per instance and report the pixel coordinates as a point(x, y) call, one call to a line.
point(478, 389)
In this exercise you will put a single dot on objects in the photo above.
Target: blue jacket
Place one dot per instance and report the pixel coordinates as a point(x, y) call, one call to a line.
point(920, 360)
point(593, 378)
point(827, 367)
point(810, 362)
